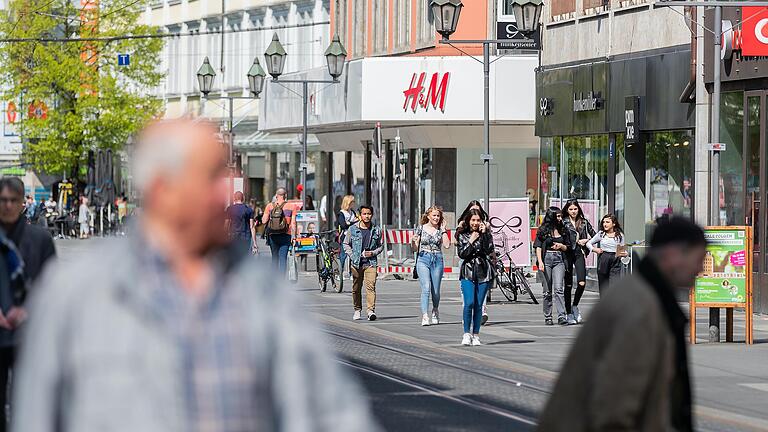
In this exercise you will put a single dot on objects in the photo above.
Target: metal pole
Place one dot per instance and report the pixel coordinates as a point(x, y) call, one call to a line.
point(304, 147)
point(231, 155)
point(714, 216)
point(486, 124)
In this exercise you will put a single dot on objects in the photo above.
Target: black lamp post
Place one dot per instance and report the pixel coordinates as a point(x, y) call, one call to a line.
point(335, 56)
point(446, 13)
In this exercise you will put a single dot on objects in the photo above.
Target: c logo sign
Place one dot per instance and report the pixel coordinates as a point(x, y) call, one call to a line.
point(761, 37)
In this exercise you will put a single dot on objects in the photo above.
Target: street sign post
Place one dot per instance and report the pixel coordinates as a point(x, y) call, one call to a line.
point(726, 281)
point(123, 59)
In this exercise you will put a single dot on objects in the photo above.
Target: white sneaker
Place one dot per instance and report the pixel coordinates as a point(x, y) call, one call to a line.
point(467, 339)
point(476, 340)
point(571, 320)
point(371, 316)
point(425, 320)
point(435, 317)
point(577, 315)
point(357, 316)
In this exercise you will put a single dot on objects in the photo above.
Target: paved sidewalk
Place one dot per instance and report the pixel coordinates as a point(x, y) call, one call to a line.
point(730, 380)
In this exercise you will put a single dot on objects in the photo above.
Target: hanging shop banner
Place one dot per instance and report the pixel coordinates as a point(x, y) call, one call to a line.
point(511, 226)
point(590, 209)
point(306, 224)
point(726, 278)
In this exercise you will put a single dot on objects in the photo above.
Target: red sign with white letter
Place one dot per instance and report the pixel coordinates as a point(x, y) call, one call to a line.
point(754, 31)
point(435, 92)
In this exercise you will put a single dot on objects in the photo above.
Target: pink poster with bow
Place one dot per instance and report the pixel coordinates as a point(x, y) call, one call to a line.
point(510, 223)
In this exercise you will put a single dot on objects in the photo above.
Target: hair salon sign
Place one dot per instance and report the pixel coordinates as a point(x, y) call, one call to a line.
point(420, 96)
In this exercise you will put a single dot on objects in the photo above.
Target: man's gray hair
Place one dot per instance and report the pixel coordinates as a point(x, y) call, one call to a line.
point(159, 154)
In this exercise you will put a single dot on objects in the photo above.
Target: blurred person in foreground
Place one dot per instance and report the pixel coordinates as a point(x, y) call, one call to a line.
point(26, 249)
point(172, 329)
point(628, 369)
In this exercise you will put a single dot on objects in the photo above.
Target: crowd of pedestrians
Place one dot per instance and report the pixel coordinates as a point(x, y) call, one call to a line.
point(130, 327)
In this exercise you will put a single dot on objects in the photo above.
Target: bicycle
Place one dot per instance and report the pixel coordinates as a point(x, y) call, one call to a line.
point(511, 281)
point(328, 267)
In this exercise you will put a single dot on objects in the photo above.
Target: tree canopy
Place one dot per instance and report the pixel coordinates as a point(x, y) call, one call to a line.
point(92, 102)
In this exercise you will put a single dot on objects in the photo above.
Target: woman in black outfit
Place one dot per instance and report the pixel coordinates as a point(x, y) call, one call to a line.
point(552, 243)
point(579, 231)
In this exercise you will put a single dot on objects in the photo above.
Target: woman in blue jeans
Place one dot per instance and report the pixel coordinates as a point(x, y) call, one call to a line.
point(431, 237)
point(475, 247)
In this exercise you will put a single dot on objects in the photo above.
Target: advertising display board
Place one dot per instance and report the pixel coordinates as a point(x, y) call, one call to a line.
point(511, 227)
point(306, 223)
point(726, 279)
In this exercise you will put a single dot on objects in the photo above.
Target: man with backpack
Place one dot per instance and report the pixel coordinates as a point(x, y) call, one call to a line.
point(277, 218)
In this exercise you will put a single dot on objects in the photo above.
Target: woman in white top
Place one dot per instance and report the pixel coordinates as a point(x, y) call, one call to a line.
point(608, 244)
point(430, 240)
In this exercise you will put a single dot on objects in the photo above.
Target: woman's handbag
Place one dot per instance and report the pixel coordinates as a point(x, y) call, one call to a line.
point(415, 261)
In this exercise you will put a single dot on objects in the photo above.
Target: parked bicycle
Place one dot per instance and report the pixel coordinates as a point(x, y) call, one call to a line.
point(510, 280)
point(327, 259)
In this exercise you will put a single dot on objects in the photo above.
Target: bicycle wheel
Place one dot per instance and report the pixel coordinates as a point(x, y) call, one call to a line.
point(506, 285)
point(319, 265)
point(524, 286)
point(337, 277)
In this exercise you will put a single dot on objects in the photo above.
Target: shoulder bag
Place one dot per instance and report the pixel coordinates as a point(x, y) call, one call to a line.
point(416, 260)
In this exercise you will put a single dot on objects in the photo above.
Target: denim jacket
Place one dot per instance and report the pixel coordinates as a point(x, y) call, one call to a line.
point(353, 245)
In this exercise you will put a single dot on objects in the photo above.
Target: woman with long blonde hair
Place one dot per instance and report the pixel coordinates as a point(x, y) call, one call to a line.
point(345, 219)
point(428, 243)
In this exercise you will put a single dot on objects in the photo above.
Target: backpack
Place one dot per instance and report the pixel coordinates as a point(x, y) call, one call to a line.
point(277, 223)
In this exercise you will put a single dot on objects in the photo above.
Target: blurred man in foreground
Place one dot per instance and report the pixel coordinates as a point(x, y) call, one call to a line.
point(628, 369)
point(173, 331)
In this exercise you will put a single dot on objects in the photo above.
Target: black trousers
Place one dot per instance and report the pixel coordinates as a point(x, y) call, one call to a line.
point(7, 357)
point(576, 260)
point(608, 269)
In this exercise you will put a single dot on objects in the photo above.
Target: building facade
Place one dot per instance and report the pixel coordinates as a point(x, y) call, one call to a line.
point(427, 98)
point(616, 113)
point(263, 161)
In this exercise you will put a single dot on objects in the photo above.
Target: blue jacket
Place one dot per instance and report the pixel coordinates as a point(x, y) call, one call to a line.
point(353, 245)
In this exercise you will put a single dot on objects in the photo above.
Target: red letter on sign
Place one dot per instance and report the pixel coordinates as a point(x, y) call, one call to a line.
point(413, 92)
point(434, 91)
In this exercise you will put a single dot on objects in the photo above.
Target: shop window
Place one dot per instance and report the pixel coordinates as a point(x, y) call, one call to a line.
point(669, 176)
point(584, 171)
point(549, 170)
point(732, 160)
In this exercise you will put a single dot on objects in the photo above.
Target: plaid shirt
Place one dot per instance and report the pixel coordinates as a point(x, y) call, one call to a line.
point(220, 387)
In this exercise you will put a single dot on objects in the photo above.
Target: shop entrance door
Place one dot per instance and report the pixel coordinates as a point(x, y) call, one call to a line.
point(755, 182)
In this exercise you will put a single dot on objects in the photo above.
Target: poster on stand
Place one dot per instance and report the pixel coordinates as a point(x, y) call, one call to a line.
point(306, 224)
point(511, 227)
point(724, 279)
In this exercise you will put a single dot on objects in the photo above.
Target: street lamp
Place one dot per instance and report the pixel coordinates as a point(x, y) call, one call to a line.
point(527, 14)
point(256, 78)
point(205, 76)
point(335, 57)
point(447, 12)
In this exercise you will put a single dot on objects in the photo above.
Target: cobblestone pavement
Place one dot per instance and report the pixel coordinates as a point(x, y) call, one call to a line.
point(421, 378)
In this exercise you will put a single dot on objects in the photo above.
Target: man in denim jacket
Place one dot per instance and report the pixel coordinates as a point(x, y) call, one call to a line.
point(363, 244)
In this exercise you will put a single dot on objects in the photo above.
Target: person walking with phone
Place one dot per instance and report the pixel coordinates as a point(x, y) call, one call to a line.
point(579, 232)
point(551, 245)
point(277, 217)
point(475, 205)
point(363, 243)
point(610, 247)
point(475, 248)
point(430, 240)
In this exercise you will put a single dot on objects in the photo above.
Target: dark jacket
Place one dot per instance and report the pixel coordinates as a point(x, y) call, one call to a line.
point(575, 234)
point(545, 241)
point(477, 257)
point(35, 245)
point(631, 358)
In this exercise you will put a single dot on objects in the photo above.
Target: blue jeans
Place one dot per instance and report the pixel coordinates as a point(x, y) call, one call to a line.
point(430, 269)
point(279, 244)
point(474, 294)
